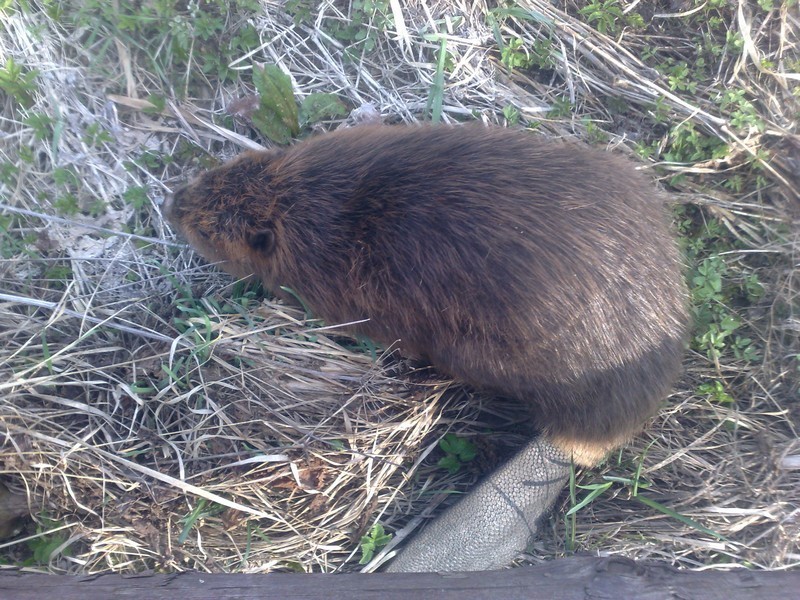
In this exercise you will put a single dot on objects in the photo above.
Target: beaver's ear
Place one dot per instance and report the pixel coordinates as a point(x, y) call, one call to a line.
point(263, 240)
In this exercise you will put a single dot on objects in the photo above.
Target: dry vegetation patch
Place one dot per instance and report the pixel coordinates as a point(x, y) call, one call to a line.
point(155, 415)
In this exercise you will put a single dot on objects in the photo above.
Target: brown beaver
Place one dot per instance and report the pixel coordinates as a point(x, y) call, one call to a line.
point(535, 269)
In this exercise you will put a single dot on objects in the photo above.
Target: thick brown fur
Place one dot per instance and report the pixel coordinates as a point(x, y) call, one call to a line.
point(535, 269)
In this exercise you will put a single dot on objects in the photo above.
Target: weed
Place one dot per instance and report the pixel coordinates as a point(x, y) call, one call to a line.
point(715, 324)
point(316, 107)
point(511, 114)
point(67, 205)
point(607, 17)
point(149, 160)
point(300, 10)
point(277, 115)
point(58, 273)
point(367, 18)
point(192, 40)
point(560, 108)
point(12, 242)
point(41, 124)
point(687, 144)
point(514, 55)
point(715, 290)
point(95, 135)
point(458, 452)
point(679, 76)
point(19, 84)
point(716, 391)
point(375, 539)
point(594, 134)
point(136, 197)
point(202, 510)
point(743, 114)
point(66, 177)
point(50, 539)
point(8, 174)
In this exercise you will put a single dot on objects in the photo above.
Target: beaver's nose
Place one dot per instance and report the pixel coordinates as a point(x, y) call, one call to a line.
point(171, 202)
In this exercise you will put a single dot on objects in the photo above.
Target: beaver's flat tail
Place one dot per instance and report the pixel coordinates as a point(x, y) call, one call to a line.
point(492, 524)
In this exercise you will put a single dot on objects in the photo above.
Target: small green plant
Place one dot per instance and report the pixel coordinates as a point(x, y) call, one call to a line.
point(136, 197)
point(157, 104)
point(604, 15)
point(317, 107)
point(149, 160)
point(679, 77)
point(560, 108)
point(58, 273)
point(278, 116)
point(12, 242)
point(458, 451)
point(46, 544)
point(302, 11)
point(716, 391)
point(18, 83)
point(198, 326)
point(687, 144)
point(594, 134)
point(743, 114)
point(41, 124)
point(511, 114)
point(707, 281)
point(366, 20)
point(716, 289)
point(375, 539)
point(197, 319)
point(67, 205)
point(203, 509)
point(66, 177)
point(436, 95)
point(515, 55)
point(715, 324)
point(95, 135)
point(8, 173)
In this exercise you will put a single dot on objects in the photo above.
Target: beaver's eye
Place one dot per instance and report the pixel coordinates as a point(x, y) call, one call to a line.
point(262, 241)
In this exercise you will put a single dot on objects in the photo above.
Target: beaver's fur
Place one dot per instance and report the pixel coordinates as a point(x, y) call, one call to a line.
point(535, 269)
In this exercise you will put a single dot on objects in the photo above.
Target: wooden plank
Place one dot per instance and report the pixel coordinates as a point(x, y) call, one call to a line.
point(576, 578)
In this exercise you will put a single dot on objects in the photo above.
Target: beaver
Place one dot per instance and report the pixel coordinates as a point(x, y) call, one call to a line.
point(540, 270)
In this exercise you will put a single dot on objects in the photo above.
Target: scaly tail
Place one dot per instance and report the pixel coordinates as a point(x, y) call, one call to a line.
point(495, 521)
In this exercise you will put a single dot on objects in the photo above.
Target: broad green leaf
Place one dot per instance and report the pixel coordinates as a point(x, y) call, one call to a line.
point(321, 106)
point(276, 116)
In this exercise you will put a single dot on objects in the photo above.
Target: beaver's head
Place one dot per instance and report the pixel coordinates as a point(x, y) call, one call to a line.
point(226, 214)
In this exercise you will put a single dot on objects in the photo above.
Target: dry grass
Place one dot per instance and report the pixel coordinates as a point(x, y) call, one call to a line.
point(152, 430)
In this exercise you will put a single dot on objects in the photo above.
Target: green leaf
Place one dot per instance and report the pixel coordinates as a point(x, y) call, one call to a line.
point(449, 462)
point(596, 490)
point(375, 539)
point(317, 107)
point(276, 116)
point(458, 451)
